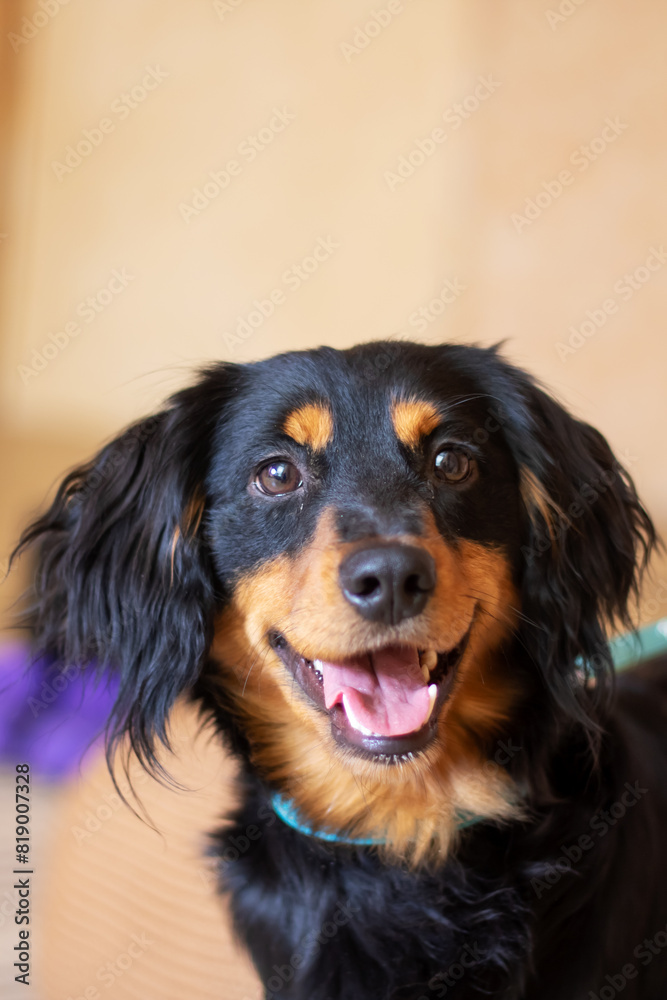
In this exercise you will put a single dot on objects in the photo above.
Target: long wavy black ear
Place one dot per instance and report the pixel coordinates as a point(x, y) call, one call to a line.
point(123, 577)
point(588, 540)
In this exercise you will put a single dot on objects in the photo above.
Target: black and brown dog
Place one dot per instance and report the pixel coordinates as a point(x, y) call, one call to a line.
point(388, 573)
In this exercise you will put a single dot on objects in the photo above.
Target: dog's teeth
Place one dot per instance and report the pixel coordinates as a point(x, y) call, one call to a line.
point(317, 667)
point(354, 722)
point(429, 660)
point(433, 692)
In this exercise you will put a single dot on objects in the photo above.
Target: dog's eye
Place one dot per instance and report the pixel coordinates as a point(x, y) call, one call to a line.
point(278, 477)
point(452, 465)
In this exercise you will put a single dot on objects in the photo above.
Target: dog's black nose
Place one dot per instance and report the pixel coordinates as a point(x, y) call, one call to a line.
point(387, 583)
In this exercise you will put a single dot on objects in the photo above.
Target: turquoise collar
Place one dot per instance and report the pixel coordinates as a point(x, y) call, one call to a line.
point(631, 649)
point(626, 650)
point(286, 810)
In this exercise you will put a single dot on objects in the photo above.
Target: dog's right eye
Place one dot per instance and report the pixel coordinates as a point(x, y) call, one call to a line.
point(278, 477)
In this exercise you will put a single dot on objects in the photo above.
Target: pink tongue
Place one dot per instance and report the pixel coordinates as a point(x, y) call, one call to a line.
point(384, 691)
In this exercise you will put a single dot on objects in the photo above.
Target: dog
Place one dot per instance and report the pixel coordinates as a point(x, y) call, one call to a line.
point(388, 574)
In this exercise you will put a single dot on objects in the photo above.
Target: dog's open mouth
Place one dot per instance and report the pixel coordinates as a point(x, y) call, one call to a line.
point(385, 703)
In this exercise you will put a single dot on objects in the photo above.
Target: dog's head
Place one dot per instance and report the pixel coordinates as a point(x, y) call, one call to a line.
point(373, 562)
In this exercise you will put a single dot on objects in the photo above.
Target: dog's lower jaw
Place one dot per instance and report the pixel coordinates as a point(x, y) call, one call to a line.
point(412, 809)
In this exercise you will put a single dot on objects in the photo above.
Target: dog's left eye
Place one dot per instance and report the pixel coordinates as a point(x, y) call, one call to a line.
point(278, 477)
point(452, 465)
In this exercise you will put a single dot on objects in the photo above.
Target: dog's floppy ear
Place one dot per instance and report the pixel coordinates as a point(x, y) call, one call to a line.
point(123, 578)
point(588, 539)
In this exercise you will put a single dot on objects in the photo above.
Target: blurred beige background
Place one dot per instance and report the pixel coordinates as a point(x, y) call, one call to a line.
point(474, 170)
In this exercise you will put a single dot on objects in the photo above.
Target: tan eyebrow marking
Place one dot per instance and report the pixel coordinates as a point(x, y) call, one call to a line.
point(311, 425)
point(413, 419)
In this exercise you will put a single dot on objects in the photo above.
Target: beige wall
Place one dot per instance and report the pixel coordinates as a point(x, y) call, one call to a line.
point(220, 70)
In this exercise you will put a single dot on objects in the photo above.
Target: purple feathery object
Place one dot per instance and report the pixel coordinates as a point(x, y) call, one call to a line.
point(49, 718)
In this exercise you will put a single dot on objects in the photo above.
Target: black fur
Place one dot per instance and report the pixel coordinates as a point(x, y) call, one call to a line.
point(112, 588)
